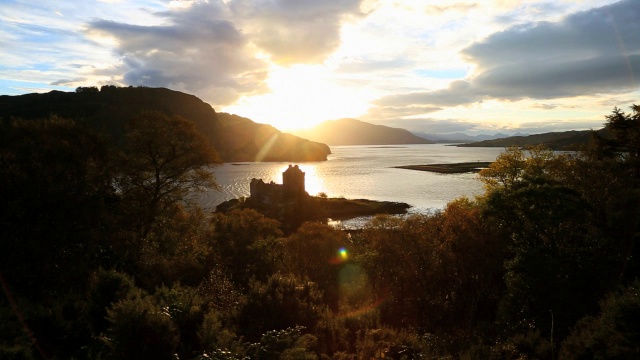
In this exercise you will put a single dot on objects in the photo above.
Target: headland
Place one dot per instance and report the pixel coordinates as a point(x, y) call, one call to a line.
point(455, 168)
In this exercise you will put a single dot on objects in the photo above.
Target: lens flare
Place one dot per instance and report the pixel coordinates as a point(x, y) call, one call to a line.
point(341, 257)
point(356, 293)
point(363, 310)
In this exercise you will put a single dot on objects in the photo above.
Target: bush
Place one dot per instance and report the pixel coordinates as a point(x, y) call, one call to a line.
point(141, 329)
point(283, 301)
point(614, 334)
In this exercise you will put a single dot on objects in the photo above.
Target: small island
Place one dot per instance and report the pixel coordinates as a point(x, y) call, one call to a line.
point(456, 168)
point(290, 204)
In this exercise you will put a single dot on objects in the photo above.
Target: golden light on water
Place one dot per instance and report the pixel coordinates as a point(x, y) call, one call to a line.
point(314, 184)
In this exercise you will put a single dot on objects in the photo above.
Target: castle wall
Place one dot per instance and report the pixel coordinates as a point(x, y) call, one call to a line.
point(271, 193)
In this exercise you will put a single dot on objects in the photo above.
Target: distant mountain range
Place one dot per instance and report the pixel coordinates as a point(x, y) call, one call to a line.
point(566, 140)
point(462, 138)
point(356, 132)
point(234, 137)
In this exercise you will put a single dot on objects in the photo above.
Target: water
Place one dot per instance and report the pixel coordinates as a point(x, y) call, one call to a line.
point(366, 172)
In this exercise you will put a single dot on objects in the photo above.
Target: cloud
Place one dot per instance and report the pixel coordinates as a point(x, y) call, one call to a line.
point(295, 31)
point(209, 48)
point(366, 66)
point(452, 126)
point(459, 92)
point(436, 126)
point(591, 52)
point(459, 7)
point(398, 112)
point(198, 51)
point(67, 82)
point(595, 51)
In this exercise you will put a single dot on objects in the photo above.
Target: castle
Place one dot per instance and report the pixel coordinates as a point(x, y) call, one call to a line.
point(270, 193)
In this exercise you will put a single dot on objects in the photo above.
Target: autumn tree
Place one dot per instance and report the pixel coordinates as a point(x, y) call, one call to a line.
point(397, 257)
point(283, 301)
point(617, 149)
point(247, 244)
point(621, 139)
point(55, 190)
point(554, 210)
point(164, 159)
point(56, 195)
point(613, 334)
point(516, 165)
point(315, 251)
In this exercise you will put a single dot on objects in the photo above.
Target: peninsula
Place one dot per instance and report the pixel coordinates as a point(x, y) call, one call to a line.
point(290, 204)
point(455, 168)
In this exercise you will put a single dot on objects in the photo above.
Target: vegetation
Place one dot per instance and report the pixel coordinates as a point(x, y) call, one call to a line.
point(101, 258)
point(107, 110)
point(292, 212)
point(566, 140)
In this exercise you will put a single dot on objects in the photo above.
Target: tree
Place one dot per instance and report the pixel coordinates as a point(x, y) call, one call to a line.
point(613, 334)
point(55, 190)
point(56, 195)
point(557, 253)
point(618, 149)
point(505, 171)
point(516, 165)
point(283, 301)
point(247, 244)
point(164, 159)
point(314, 251)
point(622, 139)
point(397, 257)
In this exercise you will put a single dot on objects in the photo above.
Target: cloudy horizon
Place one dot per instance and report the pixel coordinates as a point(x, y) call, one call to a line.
point(469, 66)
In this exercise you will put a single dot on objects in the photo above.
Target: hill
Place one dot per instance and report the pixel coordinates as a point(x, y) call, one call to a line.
point(566, 140)
point(356, 132)
point(107, 109)
point(459, 137)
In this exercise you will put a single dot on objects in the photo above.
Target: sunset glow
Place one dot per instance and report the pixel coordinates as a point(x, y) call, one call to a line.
point(301, 96)
point(427, 66)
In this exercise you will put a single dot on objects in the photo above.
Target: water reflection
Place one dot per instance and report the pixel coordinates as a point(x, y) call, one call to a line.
point(365, 172)
point(314, 184)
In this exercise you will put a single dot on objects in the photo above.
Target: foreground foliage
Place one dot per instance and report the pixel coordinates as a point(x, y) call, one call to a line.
point(101, 257)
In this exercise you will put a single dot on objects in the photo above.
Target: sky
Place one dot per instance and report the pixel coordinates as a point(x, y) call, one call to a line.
point(437, 67)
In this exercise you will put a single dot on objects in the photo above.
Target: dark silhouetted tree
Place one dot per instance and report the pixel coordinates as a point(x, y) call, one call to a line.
point(164, 159)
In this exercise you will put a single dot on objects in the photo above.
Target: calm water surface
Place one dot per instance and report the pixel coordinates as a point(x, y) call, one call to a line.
point(366, 172)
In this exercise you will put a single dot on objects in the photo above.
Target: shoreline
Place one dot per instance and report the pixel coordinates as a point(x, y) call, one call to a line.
point(293, 212)
point(453, 168)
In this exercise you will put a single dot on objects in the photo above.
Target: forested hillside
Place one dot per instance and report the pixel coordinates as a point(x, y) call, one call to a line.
point(567, 140)
point(101, 258)
point(107, 109)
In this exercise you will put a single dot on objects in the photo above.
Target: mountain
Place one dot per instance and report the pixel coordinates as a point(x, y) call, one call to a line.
point(235, 138)
point(250, 141)
point(566, 140)
point(356, 132)
point(458, 137)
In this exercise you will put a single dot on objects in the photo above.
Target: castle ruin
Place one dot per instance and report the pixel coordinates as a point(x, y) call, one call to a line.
point(292, 187)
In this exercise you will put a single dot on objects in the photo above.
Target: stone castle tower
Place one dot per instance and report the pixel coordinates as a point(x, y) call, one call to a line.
point(293, 181)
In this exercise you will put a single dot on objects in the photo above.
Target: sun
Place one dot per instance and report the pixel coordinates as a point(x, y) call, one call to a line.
point(302, 96)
